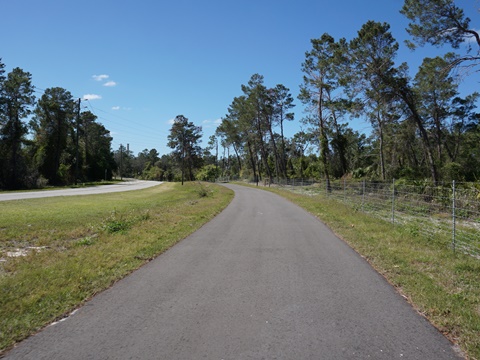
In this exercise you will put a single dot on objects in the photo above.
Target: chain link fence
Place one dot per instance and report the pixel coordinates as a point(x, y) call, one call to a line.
point(447, 213)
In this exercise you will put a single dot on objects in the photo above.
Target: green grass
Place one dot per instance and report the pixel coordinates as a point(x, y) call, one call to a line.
point(442, 285)
point(86, 243)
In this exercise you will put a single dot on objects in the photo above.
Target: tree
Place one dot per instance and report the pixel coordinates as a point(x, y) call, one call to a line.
point(467, 127)
point(16, 98)
point(298, 149)
point(412, 105)
point(463, 135)
point(54, 135)
point(212, 146)
point(250, 128)
point(166, 165)
point(238, 128)
point(145, 164)
point(391, 83)
point(185, 138)
point(124, 159)
point(372, 59)
point(440, 22)
point(256, 117)
point(436, 89)
point(282, 102)
point(320, 81)
point(95, 146)
point(231, 136)
point(207, 173)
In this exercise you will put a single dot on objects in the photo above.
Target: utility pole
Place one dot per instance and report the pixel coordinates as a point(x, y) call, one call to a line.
point(121, 150)
point(183, 153)
point(216, 159)
point(76, 141)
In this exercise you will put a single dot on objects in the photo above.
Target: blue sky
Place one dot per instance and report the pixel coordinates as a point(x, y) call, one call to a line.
point(143, 62)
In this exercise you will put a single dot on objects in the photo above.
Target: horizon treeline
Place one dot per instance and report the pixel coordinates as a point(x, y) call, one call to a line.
point(48, 140)
point(422, 127)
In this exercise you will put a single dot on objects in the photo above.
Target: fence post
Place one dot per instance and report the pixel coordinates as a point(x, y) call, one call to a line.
point(453, 217)
point(393, 202)
point(344, 190)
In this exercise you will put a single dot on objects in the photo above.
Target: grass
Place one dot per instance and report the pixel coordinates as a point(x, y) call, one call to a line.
point(79, 246)
point(441, 285)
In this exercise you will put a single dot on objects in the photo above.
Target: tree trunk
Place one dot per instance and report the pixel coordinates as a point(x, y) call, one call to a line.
point(278, 166)
point(382, 158)
point(341, 143)
point(262, 149)
point(283, 159)
point(323, 140)
point(239, 160)
point(252, 160)
point(407, 97)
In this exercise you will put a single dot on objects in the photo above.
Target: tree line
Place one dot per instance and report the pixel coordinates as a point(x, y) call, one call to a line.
point(422, 128)
point(49, 140)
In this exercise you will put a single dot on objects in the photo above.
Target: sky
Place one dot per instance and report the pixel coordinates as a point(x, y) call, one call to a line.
point(138, 64)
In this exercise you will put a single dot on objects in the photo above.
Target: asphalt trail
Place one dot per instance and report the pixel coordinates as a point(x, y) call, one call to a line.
point(263, 280)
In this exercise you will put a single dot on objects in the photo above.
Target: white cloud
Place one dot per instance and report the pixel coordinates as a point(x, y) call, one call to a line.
point(171, 121)
point(207, 123)
point(110, 83)
point(100, 77)
point(124, 108)
point(91, 97)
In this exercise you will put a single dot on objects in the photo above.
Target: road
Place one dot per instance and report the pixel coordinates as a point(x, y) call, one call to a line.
point(263, 280)
point(90, 190)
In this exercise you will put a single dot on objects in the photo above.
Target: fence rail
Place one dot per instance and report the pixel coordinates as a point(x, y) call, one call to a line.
point(448, 213)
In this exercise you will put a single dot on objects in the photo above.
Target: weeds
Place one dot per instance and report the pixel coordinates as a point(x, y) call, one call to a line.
point(120, 223)
point(202, 190)
point(116, 223)
point(86, 241)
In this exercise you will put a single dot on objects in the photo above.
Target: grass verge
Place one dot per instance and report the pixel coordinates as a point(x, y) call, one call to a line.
point(442, 285)
point(68, 249)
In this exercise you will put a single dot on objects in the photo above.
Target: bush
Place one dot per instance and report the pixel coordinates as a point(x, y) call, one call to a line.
point(207, 173)
point(453, 171)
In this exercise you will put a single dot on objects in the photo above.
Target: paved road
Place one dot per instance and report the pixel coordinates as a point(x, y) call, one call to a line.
point(90, 190)
point(263, 280)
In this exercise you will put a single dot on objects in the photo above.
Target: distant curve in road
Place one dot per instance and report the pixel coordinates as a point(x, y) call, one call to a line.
point(128, 185)
point(263, 280)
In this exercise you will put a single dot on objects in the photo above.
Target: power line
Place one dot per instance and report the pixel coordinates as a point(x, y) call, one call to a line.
point(145, 132)
point(124, 119)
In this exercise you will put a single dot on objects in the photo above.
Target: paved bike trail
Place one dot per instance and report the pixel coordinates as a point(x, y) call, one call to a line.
point(263, 280)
